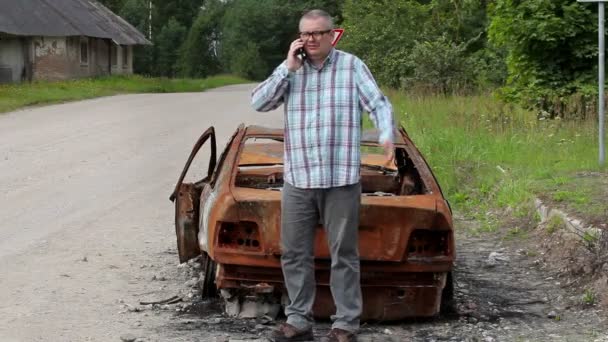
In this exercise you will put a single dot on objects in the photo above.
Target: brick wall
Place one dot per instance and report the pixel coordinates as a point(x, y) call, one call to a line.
point(50, 58)
point(60, 58)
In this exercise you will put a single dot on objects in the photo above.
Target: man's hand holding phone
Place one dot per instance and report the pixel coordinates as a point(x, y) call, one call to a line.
point(293, 61)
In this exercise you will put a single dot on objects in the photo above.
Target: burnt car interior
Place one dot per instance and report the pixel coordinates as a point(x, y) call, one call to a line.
point(261, 167)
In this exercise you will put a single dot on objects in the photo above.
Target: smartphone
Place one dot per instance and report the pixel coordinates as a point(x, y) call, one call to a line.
point(301, 53)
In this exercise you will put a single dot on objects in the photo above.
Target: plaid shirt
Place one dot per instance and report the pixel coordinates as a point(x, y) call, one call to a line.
point(323, 118)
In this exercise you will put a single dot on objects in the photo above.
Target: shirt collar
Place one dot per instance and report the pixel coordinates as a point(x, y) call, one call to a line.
point(328, 60)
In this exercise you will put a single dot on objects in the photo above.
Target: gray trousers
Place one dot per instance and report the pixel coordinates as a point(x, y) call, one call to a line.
point(338, 210)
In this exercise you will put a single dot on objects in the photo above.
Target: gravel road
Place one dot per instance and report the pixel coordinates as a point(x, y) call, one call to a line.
point(84, 190)
point(86, 234)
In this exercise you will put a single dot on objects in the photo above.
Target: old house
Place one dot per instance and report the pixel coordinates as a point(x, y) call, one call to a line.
point(63, 39)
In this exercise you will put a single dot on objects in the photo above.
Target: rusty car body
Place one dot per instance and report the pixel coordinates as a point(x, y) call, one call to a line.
point(232, 219)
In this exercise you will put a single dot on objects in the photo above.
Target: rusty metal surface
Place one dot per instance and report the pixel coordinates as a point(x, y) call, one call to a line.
point(209, 133)
point(368, 136)
point(272, 153)
point(388, 295)
point(406, 240)
point(186, 222)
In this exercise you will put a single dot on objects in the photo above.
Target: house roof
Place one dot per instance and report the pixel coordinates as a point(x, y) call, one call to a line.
point(66, 18)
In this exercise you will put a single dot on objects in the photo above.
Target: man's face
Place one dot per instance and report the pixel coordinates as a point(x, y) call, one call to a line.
point(317, 45)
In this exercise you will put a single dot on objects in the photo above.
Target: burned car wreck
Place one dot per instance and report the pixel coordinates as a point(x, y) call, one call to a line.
point(232, 219)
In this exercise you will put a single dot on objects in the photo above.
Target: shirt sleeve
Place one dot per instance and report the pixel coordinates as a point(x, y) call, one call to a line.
point(374, 102)
point(269, 94)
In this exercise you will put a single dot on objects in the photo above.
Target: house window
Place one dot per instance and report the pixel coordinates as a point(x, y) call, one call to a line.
point(114, 54)
point(125, 56)
point(84, 52)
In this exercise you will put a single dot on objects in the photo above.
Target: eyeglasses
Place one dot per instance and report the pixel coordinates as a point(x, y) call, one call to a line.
point(316, 34)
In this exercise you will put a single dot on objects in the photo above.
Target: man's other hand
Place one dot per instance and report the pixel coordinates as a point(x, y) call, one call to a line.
point(389, 150)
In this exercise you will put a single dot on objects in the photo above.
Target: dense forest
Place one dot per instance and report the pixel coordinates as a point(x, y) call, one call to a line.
point(541, 53)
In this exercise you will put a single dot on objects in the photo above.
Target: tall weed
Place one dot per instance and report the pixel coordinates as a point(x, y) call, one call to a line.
point(486, 153)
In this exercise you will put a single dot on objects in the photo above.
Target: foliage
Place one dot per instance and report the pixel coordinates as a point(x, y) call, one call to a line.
point(590, 238)
point(168, 42)
point(489, 67)
point(439, 66)
point(555, 223)
point(113, 5)
point(248, 62)
point(199, 53)
point(436, 45)
point(250, 38)
point(540, 53)
point(182, 11)
point(136, 12)
point(588, 297)
point(551, 48)
point(171, 22)
point(256, 34)
point(251, 28)
point(383, 33)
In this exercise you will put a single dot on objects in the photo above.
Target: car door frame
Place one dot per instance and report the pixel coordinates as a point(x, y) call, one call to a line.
point(186, 197)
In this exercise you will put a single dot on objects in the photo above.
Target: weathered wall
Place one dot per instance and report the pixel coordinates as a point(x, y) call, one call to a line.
point(75, 67)
point(50, 58)
point(59, 58)
point(12, 59)
point(100, 49)
point(122, 54)
point(129, 67)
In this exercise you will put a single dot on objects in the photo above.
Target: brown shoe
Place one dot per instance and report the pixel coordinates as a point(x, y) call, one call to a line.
point(339, 335)
point(286, 332)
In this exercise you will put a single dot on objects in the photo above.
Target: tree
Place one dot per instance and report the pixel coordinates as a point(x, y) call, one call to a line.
point(404, 42)
point(113, 5)
point(551, 48)
point(200, 53)
point(383, 34)
point(168, 43)
point(256, 34)
point(136, 12)
point(439, 66)
point(171, 20)
point(464, 23)
point(182, 11)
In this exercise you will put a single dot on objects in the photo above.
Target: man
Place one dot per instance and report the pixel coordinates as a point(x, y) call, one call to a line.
point(324, 95)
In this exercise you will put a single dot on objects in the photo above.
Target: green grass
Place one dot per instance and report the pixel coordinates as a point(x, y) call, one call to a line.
point(487, 154)
point(584, 194)
point(17, 96)
point(588, 297)
point(555, 223)
point(590, 238)
point(516, 233)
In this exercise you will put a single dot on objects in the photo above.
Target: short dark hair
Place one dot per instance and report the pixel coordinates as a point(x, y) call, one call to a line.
point(318, 13)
